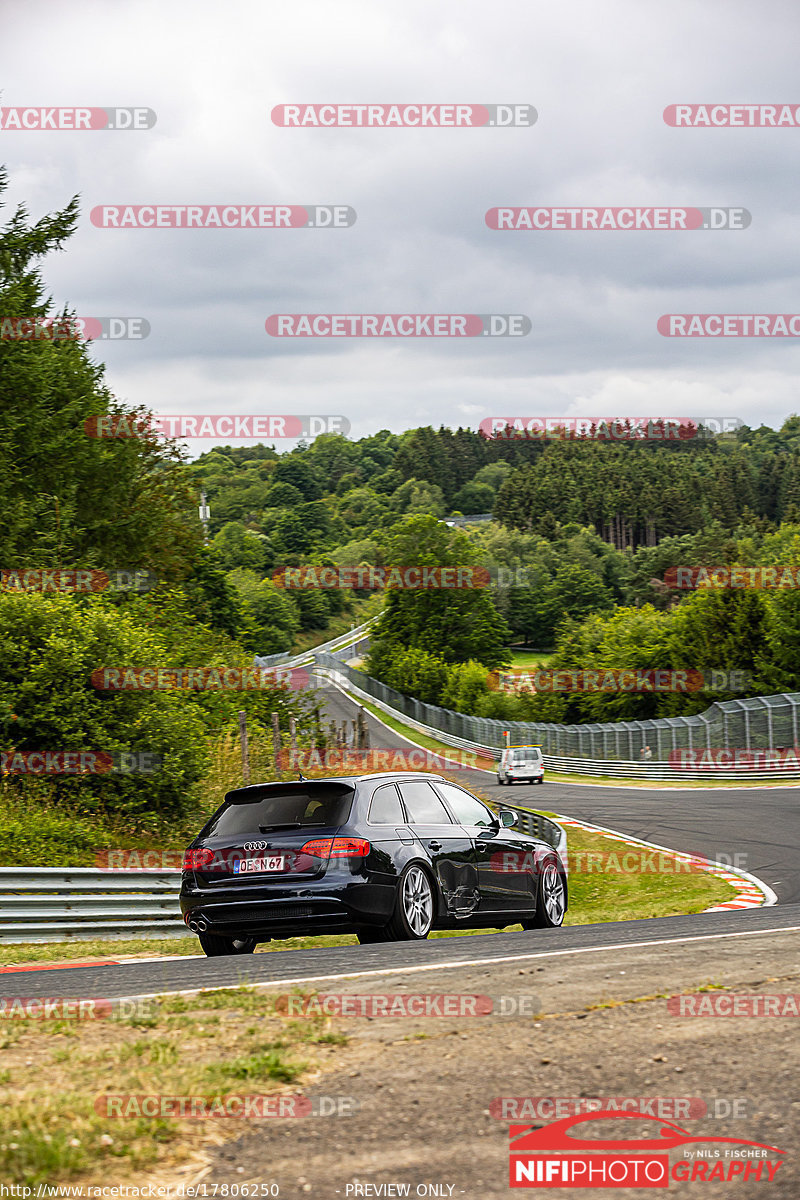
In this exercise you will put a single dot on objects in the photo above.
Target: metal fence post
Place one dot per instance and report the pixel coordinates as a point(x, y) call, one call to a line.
point(245, 749)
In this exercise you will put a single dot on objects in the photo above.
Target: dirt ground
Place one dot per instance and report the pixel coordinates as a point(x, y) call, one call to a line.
point(424, 1085)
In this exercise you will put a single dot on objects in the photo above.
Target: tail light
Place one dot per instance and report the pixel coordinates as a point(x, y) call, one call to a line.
point(195, 860)
point(340, 847)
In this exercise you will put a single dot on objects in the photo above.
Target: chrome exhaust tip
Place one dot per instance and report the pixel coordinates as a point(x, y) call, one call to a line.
point(201, 925)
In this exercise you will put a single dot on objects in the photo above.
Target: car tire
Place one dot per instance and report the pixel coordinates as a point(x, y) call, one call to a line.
point(214, 945)
point(369, 935)
point(539, 780)
point(501, 781)
point(551, 899)
point(414, 907)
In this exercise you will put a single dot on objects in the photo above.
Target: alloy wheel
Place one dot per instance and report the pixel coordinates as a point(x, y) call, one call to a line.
point(553, 894)
point(417, 901)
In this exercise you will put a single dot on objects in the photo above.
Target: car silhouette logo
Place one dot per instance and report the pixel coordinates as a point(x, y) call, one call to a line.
point(529, 1138)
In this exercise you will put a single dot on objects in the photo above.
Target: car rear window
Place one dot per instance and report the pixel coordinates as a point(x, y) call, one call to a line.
point(524, 756)
point(304, 805)
point(385, 808)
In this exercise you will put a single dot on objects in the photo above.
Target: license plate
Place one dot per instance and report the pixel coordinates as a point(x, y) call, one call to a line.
point(275, 862)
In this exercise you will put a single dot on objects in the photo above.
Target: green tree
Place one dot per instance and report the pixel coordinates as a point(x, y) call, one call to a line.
point(66, 497)
point(418, 496)
point(474, 498)
point(49, 648)
point(465, 686)
point(301, 474)
point(283, 495)
point(236, 546)
point(270, 616)
point(455, 624)
point(214, 602)
point(362, 509)
point(291, 535)
point(720, 629)
point(414, 672)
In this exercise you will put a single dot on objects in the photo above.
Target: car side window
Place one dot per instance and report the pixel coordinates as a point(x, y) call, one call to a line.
point(385, 808)
point(468, 810)
point(423, 805)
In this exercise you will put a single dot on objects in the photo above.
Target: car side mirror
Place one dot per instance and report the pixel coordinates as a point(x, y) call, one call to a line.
point(507, 819)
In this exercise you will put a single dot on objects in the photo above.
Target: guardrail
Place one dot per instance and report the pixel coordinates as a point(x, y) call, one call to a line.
point(270, 660)
point(340, 644)
point(753, 723)
point(536, 825)
point(59, 904)
point(614, 768)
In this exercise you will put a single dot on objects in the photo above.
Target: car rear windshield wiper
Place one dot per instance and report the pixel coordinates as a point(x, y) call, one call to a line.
point(286, 825)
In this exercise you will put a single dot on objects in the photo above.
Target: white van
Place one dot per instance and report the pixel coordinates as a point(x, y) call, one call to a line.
point(521, 764)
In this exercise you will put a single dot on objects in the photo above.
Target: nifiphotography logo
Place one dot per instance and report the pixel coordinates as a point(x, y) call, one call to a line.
point(553, 1156)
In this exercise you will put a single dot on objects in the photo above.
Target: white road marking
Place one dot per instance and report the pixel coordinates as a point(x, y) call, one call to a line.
point(124, 962)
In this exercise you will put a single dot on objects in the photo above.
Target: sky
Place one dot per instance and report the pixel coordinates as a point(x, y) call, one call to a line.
point(599, 77)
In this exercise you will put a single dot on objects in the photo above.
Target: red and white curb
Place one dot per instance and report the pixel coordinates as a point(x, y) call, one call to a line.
point(751, 892)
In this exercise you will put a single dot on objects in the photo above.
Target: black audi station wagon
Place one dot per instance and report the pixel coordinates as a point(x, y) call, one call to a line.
point(385, 856)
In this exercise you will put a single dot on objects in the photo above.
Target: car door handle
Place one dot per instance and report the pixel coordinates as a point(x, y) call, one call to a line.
point(434, 845)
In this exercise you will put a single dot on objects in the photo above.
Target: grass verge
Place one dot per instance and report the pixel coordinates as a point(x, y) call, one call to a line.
point(529, 660)
point(58, 1073)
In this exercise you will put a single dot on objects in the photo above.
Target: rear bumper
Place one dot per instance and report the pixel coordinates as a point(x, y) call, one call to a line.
point(275, 912)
